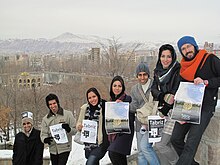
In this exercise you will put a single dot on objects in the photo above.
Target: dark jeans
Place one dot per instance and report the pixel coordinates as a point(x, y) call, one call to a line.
point(94, 155)
point(59, 159)
point(187, 150)
point(117, 159)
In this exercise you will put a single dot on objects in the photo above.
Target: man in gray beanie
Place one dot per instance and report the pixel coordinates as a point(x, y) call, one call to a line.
point(197, 66)
point(143, 87)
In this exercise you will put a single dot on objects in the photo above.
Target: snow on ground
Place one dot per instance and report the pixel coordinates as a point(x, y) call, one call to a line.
point(76, 156)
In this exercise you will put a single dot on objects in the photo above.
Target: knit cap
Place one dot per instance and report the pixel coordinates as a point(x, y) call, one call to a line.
point(27, 117)
point(143, 67)
point(187, 40)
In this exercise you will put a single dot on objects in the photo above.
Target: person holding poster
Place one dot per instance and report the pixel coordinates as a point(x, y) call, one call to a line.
point(120, 143)
point(94, 110)
point(146, 152)
point(61, 119)
point(165, 85)
point(197, 66)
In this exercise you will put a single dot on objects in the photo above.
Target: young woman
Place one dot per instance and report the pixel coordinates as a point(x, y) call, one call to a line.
point(120, 143)
point(165, 84)
point(94, 110)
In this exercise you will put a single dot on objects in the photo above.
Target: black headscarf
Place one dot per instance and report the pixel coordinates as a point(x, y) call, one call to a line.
point(112, 95)
point(165, 75)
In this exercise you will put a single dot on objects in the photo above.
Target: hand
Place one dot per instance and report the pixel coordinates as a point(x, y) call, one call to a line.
point(165, 109)
point(169, 98)
point(79, 127)
point(66, 127)
point(198, 80)
point(48, 140)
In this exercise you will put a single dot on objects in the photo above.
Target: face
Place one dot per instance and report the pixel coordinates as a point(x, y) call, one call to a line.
point(166, 58)
point(53, 106)
point(142, 77)
point(93, 98)
point(117, 87)
point(27, 126)
point(188, 51)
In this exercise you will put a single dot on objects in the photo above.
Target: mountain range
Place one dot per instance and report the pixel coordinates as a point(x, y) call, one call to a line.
point(68, 43)
point(65, 43)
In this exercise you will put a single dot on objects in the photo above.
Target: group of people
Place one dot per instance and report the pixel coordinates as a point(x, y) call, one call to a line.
point(179, 139)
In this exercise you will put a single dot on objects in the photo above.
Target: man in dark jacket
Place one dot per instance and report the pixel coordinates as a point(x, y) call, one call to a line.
point(197, 66)
point(28, 148)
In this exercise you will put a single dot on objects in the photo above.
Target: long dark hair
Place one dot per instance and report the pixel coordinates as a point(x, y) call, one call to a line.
point(112, 95)
point(94, 90)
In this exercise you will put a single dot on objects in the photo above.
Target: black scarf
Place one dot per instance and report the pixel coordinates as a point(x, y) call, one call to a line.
point(165, 75)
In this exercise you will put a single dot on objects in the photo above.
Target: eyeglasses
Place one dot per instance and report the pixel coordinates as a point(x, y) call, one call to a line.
point(184, 48)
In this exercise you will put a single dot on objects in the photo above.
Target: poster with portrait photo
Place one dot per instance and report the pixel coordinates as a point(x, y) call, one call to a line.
point(89, 131)
point(155, 128)
point(117, 117)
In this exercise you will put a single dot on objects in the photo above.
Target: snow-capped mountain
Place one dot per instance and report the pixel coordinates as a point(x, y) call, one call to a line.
point(69, 37)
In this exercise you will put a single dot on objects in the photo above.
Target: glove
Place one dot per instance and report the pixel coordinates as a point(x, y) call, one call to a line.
point(161, 97)
point(165, 109)
point(48, 140)
point(66, 127)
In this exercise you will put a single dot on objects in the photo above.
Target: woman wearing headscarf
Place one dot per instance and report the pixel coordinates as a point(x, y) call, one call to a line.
point(120, 143)
point(165, 84)
point(94, 110)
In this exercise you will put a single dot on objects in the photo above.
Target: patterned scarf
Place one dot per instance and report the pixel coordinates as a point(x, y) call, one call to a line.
point(189, 68)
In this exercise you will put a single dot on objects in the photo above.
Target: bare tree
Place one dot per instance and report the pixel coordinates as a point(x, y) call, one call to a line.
point(114, 59)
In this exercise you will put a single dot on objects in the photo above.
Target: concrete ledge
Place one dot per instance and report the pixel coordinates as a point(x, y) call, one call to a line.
point(8, 161)
point(131, 159)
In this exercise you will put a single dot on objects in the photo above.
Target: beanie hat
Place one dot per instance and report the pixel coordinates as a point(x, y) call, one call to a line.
point(143, 67)
point(187, 40)
point(27, 117)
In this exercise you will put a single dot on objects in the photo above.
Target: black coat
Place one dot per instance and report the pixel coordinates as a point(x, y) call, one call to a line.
point(171, 87)
point(28, 150)
point(123, 142)
point(211, 72)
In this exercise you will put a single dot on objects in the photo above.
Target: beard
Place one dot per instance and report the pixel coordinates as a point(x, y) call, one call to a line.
point(191, 57)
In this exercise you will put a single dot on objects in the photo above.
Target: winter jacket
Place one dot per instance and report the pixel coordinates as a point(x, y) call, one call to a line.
point(137, 100)
point(62, 116)
point(102, 136)
point(28, 150)
point(211, 72)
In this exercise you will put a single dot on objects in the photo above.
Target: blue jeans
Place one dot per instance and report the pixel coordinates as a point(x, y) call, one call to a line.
point(146, 154)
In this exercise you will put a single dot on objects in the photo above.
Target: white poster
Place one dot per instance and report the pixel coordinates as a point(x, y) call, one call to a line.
point(188, 102)
point(117, 117)
point(58, 134)
point(155, 128)
point(89, 131)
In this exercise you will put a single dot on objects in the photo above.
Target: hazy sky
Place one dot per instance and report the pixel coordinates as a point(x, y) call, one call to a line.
point(129, 20)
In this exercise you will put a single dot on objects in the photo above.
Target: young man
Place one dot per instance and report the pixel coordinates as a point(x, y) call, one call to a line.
point(28, 148)
point(59, 153)
point(197, 66)
point(146, 153)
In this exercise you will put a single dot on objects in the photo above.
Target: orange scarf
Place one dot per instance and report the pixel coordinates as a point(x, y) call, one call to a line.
point(188, 68)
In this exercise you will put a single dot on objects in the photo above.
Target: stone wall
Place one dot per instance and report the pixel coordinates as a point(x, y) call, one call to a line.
point(8, 161)
point(208, 152)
